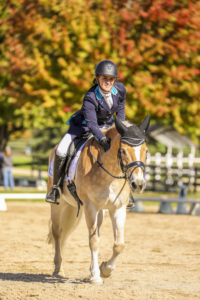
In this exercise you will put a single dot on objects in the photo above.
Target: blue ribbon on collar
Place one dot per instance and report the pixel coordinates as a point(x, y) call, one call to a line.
point(99, 95)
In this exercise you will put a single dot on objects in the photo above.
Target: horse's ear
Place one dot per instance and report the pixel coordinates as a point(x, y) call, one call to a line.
point(121, 128)
point(145, 124)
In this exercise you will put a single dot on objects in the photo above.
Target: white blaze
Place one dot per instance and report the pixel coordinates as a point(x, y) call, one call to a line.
point(137, 154)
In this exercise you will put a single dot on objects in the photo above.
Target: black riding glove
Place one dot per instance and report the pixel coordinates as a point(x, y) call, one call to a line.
point(105, 142)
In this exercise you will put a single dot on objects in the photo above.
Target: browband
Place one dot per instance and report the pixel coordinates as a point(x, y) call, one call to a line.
point(126, 140)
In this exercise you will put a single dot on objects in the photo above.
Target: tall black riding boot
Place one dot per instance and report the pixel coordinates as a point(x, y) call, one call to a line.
point(131, 203)
point(58, 176)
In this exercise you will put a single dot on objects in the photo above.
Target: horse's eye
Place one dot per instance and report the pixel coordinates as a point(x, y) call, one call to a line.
point(123, 151)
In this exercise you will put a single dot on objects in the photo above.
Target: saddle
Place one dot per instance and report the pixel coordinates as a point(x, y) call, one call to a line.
point(72, 150)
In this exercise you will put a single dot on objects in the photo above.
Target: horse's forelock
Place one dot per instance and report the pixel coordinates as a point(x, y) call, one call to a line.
point(126, 123)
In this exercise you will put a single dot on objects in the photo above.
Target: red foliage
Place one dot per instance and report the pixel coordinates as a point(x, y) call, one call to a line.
point(67, 109)
point(52, 52)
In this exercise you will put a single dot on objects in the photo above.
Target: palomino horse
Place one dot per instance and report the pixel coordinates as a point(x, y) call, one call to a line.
point(99, 190)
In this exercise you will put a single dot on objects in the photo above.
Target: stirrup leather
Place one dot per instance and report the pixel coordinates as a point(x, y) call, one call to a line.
point(72, 188)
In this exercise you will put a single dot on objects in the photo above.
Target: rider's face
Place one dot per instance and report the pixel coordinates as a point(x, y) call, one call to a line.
point(106, 82)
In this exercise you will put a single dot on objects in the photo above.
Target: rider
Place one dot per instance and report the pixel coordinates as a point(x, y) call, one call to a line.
point(103, 99)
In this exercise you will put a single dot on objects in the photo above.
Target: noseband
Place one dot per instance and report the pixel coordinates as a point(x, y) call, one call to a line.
point(124, 168)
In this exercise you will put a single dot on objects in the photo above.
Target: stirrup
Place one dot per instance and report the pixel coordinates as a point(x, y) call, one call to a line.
point(130, 206)
point(49, 192)
point(131, 203)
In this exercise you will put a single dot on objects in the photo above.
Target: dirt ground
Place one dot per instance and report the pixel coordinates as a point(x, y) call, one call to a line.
point(161, 259)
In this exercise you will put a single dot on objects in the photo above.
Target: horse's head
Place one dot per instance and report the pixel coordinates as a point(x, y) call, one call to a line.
point(132, 152)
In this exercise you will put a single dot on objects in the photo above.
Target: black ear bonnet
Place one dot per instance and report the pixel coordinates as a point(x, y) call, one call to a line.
point(133, 135)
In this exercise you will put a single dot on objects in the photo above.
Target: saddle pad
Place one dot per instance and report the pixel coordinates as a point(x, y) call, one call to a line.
point(72, 167)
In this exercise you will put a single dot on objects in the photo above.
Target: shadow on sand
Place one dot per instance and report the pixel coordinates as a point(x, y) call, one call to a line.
point(44, 278)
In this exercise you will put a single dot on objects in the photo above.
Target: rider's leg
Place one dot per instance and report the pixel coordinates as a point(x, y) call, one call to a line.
point(60, 159)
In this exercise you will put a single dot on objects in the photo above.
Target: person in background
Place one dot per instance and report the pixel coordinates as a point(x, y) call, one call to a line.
point(7, 164)
point(1, 158)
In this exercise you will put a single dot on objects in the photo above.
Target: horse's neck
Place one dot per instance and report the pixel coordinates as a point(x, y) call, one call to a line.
point(109, 158)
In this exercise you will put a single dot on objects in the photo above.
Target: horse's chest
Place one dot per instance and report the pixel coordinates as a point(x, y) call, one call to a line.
point(118, 192)
point(114, 194)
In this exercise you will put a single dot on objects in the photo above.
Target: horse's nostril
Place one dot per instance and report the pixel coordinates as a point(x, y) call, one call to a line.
point(134, 185)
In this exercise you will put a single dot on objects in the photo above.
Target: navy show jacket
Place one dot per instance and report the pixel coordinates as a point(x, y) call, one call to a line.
point(95, 113)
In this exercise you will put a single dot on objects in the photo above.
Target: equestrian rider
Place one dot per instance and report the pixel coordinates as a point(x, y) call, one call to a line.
point(103, 99)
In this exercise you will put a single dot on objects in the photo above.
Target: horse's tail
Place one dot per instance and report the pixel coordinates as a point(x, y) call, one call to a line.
point(69, 221)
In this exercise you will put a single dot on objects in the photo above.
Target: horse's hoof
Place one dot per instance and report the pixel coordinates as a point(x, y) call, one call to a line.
point(59, 274)
point(96, 281)
point(105, 271)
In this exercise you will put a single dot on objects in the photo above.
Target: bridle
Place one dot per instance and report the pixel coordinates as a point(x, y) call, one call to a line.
point(135, 164)
point(124, 168)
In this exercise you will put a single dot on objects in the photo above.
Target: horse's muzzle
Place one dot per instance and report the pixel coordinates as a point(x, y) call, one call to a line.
point(138, 185)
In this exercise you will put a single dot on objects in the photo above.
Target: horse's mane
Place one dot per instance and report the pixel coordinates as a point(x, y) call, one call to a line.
point(126, 123)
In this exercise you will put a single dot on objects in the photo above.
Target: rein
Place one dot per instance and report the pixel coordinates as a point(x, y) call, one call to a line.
point(135, 164)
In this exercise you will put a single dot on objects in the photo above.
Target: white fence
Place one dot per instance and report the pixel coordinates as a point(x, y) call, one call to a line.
point(170, 160)
point(28, 196)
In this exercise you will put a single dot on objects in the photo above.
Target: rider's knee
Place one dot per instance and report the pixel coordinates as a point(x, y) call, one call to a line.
point(64, 144)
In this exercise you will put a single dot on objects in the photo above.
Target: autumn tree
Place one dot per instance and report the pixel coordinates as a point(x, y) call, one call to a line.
point(52, 48)
point(8, 122)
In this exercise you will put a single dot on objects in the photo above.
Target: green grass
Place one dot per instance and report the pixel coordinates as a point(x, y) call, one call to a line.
point(23, 160)
point(22, 192)
point(191, 195)
point(27, 177)
point(25, 200)
point(145, 194)
point(163, 194)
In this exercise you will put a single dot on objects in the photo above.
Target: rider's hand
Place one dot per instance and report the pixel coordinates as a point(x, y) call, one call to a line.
point(105, 142)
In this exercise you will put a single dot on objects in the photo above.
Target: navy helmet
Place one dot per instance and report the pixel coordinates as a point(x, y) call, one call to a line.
point(106, 68)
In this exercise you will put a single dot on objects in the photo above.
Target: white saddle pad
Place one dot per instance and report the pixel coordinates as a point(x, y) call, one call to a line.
point(72, 167)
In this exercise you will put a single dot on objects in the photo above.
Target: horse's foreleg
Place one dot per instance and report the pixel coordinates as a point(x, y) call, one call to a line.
point(100, 220)
point(56, 216)
point(118, 222)
point(93, 223)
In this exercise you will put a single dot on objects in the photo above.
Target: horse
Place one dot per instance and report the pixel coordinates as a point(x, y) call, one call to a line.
point(104, 181)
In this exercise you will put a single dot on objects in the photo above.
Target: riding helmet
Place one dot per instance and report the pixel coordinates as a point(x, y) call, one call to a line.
point(106, 68)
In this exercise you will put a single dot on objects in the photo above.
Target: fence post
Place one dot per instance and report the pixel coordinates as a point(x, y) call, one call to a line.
point(195, 209)
point(195, 180)
point(32, 165)
point(182, 207)
point(165, 208)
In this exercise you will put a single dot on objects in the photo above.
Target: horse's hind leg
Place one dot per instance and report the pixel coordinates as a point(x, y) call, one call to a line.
point(56, 217)
point(118, 221)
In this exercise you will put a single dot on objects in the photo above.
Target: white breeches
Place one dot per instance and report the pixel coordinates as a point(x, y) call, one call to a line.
point(64, 144)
